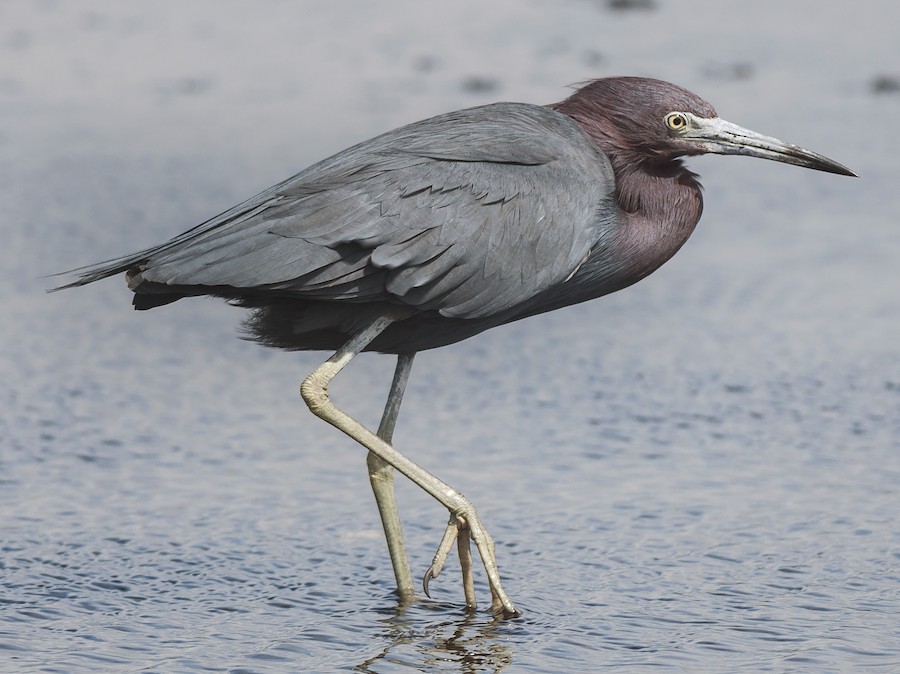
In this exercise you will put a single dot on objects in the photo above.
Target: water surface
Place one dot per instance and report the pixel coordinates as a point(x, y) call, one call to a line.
point(700, 473)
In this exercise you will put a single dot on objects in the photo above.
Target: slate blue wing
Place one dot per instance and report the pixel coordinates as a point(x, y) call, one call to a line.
point(468, 214)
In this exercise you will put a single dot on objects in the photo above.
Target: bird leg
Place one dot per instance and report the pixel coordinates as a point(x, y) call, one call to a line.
point(315, 393)
point(381, 476)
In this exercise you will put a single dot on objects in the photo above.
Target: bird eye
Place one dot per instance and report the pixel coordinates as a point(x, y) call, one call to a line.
point(676, 121)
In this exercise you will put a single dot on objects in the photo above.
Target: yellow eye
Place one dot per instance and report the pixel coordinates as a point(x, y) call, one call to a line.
point(676, 121)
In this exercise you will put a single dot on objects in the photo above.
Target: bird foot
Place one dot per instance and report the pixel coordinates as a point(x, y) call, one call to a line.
point(463, 529)
point(457, 531)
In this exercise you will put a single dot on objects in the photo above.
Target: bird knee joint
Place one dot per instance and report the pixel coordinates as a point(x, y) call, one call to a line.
point(463, 507)
point(314, 391)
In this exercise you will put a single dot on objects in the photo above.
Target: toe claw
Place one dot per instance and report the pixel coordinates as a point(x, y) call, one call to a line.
point(429, 574)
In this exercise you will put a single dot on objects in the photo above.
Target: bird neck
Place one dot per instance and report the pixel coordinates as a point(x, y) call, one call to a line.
point(660, 204)
point(652, 190)
point(666, 194)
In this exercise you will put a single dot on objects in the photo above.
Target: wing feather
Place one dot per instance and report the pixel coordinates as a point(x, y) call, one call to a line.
point(468, 213)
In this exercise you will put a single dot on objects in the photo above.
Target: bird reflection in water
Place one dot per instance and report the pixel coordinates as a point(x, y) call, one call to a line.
point(470, 645)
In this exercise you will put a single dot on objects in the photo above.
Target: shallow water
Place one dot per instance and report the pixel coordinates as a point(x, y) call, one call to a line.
point(700, 473)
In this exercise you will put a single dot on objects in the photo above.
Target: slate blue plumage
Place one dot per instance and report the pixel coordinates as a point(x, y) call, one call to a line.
point(441, 229)
point(487, 215)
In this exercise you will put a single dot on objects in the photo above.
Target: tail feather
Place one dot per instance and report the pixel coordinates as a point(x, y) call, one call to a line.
point(100, 270)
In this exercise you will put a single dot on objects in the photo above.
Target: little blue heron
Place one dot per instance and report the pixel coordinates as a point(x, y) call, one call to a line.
point(439, 230)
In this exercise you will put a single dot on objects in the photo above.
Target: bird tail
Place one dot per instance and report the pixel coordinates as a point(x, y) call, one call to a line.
point(100, 270)
point(147, 295)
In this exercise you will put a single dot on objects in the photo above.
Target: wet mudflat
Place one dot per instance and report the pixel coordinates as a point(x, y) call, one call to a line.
point(700, 473)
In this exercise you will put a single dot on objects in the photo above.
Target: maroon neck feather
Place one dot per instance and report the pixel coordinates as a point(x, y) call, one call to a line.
point(659, 199)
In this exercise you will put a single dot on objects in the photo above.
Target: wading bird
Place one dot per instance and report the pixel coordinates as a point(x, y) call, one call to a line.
point(439, 230)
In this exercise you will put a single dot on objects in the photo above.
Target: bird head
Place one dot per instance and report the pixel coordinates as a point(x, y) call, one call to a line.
point(645, 120)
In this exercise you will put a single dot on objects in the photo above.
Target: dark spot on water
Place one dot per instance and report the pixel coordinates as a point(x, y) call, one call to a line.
point(233, 579)
point(593, 58)
point(790, 569)
point(787, 588)
point(631, 5)
point(110, 585)
point(648, 419)
point(815, 607)
point(479, 84)
point(425, 63)
point(885, 84)
point(185, 86)
point(729, 72)
point(228, 609)
point(8, 602)
point(714, 646)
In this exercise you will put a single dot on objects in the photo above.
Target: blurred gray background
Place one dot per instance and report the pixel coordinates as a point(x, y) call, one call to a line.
point(699, 473)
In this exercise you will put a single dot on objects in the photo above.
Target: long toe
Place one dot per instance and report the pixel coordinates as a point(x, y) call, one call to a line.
point(440, 556)
point(465, 564)
point(501, 604)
